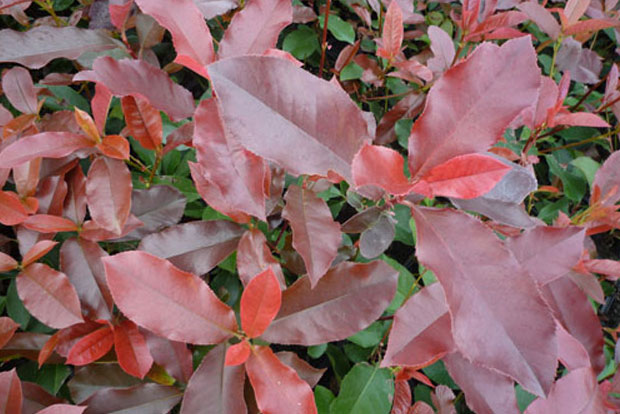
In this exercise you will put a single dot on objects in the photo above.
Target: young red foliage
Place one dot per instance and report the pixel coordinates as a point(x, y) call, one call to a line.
point(260, 303)
point(91, 347)
point(131, 349)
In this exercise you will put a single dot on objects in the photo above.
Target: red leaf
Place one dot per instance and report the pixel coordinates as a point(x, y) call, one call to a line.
point(278, 388)
point(49, 296)
point(571, 352)
point(489, 295)
point(100, 105)
point(91, 347)
point(215, 388)
point(91, 378)
point(143, 80)
point(7, 329)
point(574, 9)
point(421, 333)
point(87, 124)
point(26, 178)
point(228, 177)
point(45, 223)
point(158, 207)
point(607, 179)
point(12, 211)
point(465, 176)
point(114, 146)
point(144, 121)
point(254, 256)
point(172, 303)
point(131, 350)
point(443, 49)
point(17, 86)
point(580, 119)
point(462, 115)
point(260, 303)
point(287, 113)
point(108, 191)
point(393, 32)
point(10, 392)
point(45, 145)
point(7, 263)
point(548, 252)
point(37, 251)
point(383, 167)
point(346, 300)
point(195, 247)
point(62, 409)
point(75, 201)
point(255, 28)
point(173, 356)
point(575, 393)
point(402, 398)
point(237, 354)
point(316, 236)
point(420, 407)
point(186, 24)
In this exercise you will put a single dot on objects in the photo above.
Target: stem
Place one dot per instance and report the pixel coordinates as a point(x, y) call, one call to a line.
point(380, 98)
point(328, 5)
point(556, 47)
point(588, 93)
point(585, 141)
point(280, 236)
point(49, 8)
point(153, 170)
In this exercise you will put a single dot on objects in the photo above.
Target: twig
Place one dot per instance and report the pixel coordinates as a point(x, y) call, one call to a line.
point(328, 5)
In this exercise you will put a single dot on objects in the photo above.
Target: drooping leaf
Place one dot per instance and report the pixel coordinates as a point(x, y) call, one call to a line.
point(215, 388)
point(7, 263)
point(365, 390)
point(131, 349)
point(49, 296)
point(195, 247)
point(186, 24)
point(270, 107)
point(346, 300)
point(467, 110)
point(34, 48)
point(91, 347)
point(108, 191)
point(142, 398)
point(143, 80)
point(277, 387)
point(175, 304)
point(143, 120)
point(260, 303)
point(484, 283)
point(157, 207)
point(316, 236)
point(17, 86)
point(45, 145)
point(10, 392)
point(254, 256)
point(255, 28)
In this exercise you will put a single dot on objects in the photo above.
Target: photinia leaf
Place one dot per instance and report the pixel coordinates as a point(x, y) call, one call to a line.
point(139, 399)
point(108, 191)
point(402, 398)
point(75, 200)
point(255, 28)
point(143, 80)
point(91, 347)
point(277, 387)
point(87, 124)
point(36, 398)
point(365, 390)
point(420, 407)
point(382, 167)
point(215, 388)
point(186, 24)
point(393, 32)
point(484, 283)
point(45, 145)
point(305, 371)
point(131, 349)
point(213, 8)
point(62, 409)
point(49, 296)
point(114, 146)
point(36, 47)
point(346, 300)
point(462, 115)
point(7, 329)
point(316, 236)
point(260, 303)
point(174, 304)
point(143, 120)
point(10, 392)
point(607, 179)
point(18, 88)
point(237, 354)
point(228, 177)
point(442, 48)
point(254, 256)
point(37, 251)
point(195, 247)
point(7, 263)
point(12, 211)
point(45, 223)
point(571, 352)
point(173, 356)
point(378, 237)
point(100, 105)
point(92, 378)
point(284, 118)
point(157, 207)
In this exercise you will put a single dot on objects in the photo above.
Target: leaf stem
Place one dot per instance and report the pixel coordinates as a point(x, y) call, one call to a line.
point(153, 170)
point(328, 5)
point(49, 8)
point(585, 141)
point(556, 47)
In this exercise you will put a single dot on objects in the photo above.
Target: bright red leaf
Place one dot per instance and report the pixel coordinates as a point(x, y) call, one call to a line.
point(131, 349)
point(382, 167)
point(393, 32)
point(114, 146)
point(144, 121)
point(260, 303)
point(238, 353)
point(91, 347)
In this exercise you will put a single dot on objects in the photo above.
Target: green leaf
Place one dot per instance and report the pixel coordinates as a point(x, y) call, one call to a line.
point(405, 282)
point(370, 336)
point(316, 351)
point(60, 5)
point(52, 376)
point(339, 361)
point(323, 397)
point(574, 182)
point(301, 42)
point(15, 308)
point(340, 29)
point(403, 234)
point(65, 98)
point(439, 374)
point(587, 166)
point(366, 389)
point(351, 71)
point(356, 353)
point(524, 398)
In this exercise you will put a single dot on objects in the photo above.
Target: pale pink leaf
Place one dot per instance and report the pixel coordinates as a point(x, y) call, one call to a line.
point(17, 86)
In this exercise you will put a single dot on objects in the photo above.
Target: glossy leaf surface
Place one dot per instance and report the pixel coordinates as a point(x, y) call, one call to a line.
point(10, 392)
point(91, 347)
point(131, 349)
point(260, 303)
point(45, 145)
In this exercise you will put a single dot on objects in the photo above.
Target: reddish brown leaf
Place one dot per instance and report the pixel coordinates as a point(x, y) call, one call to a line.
point(139, 399)
point(45, 145)
point(175, 357)
point(215, 388)
point(91, 347)
point(346, 300)
point(45, 223)
point(143, 80)
point(37, 251)
point(393, 32)
point(114, 146)
point(402, 398)
point(237, 354)
point(10, 392)
point(228, 177)
point(254, 256)
point(12, 211)
point(92, 378)
point(570, 351)
point(36, 398)
point(195, 247)
point(26, 178)
point(269, 106)
point(186, 24)
point(7, 263)
point(172, 303)
point(131, 350)
point(316, 236)
point(420, 407)
point(158, 207)
point(7, 329)
point(489, 295)
point(305, 371)
point(49, 296)
point(75, 202)
point(255, 28)
point(144, 121)
point(17, 86)
point(100, 105)
point(278, 388)
point(62, 409)
point(462, 115)
point(408, 107)
point(108, 191)
point(260, 303)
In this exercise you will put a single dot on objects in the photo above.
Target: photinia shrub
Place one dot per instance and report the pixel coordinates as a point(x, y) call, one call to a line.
point(287, 207)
